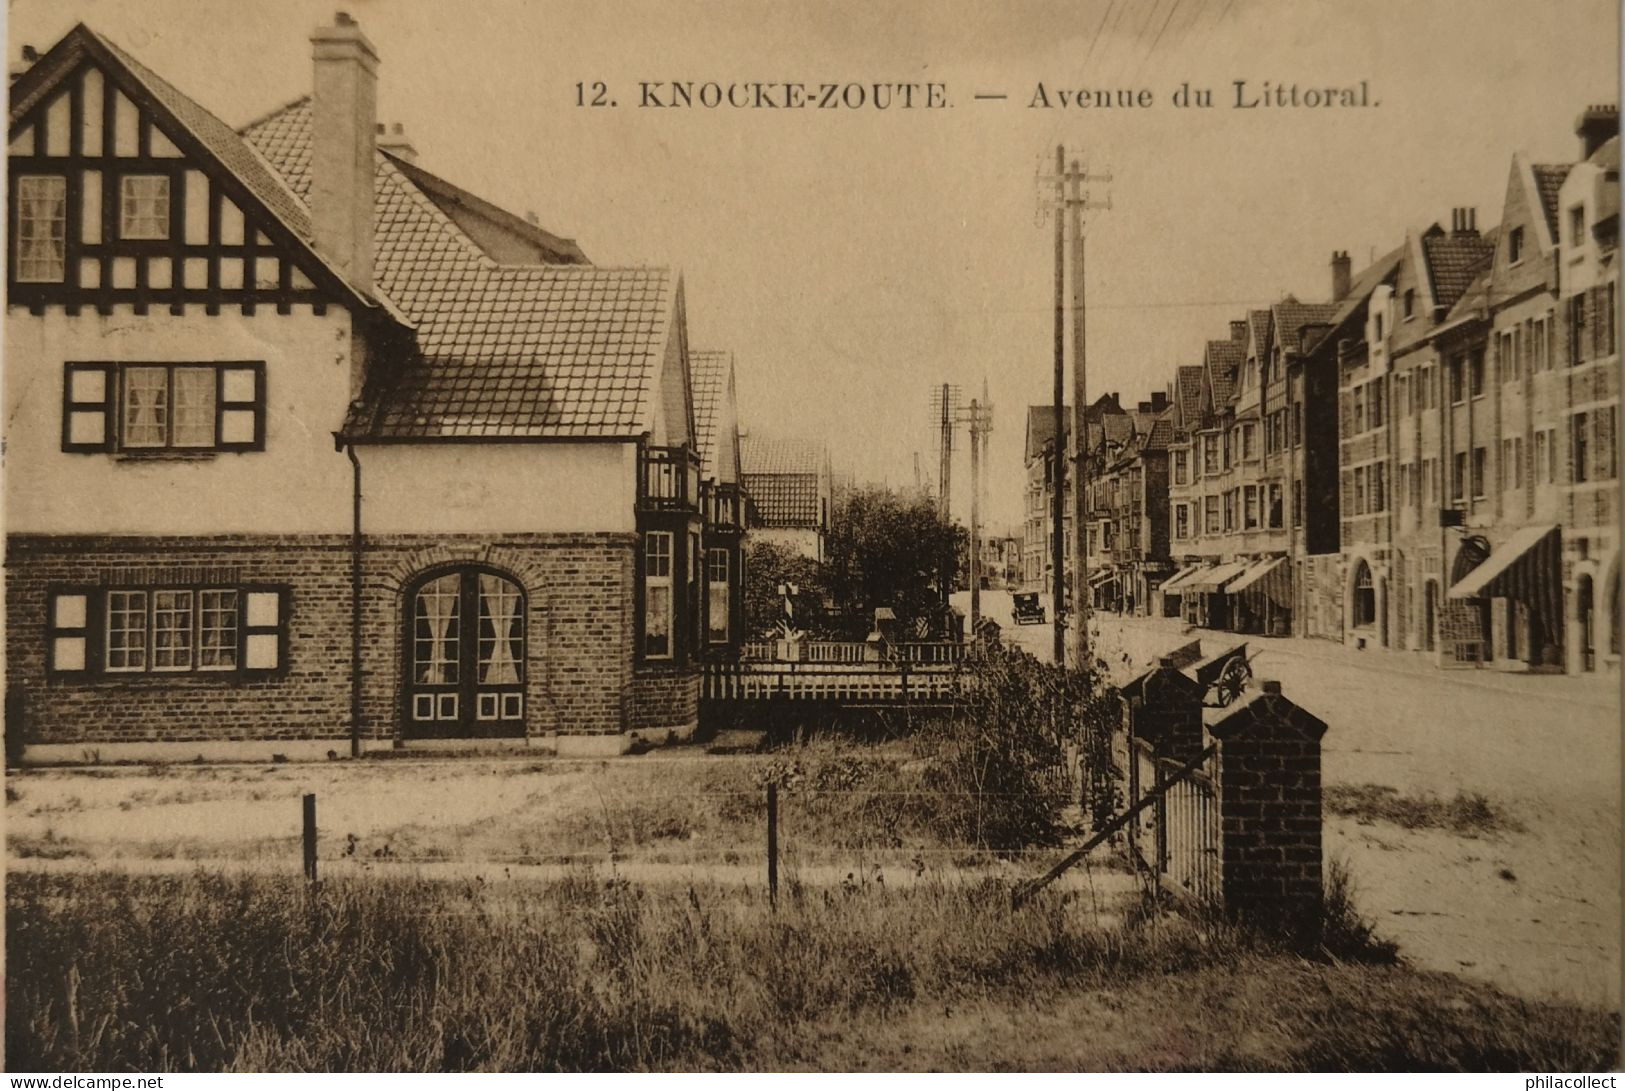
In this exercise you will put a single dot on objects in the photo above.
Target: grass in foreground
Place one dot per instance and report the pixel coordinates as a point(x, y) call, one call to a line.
point(1467, 813)
point(204, 972)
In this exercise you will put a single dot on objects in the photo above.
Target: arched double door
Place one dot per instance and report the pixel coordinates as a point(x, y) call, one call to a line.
point(465, 642)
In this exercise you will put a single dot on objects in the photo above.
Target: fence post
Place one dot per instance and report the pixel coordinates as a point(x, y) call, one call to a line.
point(1268, 784)
point(773, 845)
point(310, 837)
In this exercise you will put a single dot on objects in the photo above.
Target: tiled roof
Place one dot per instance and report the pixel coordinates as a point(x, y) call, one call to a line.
point(1041, 428)
point(779, 455)
point(1291, 317)
point(504, 350)
point(1161, 432)
point(781, 476)
point(1259, 324)
point(1224, 360)
point(1475, 299)
point(708, 372)
point(1549, 180)
point(1454, 260)
point(1359, 290)
point(1188, 393)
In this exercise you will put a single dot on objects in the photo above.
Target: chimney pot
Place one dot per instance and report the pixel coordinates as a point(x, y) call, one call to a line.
point(1271, 687)
point(1165, 662)
point(1341, 274)
point(1595, 126)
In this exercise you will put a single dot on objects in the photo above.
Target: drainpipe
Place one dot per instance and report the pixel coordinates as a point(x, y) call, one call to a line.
point(355, 595)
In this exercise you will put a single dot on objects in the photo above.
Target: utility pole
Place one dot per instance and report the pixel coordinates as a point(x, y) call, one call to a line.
point(1057, 459)
point(1071, 201)
point(981, 423)
point(945, 461)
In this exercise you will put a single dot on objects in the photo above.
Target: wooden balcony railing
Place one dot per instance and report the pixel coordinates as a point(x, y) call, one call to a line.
point(668, 478)
point(723, 506)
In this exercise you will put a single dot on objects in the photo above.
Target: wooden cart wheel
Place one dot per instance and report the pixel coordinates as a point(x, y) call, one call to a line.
point(1232, 680)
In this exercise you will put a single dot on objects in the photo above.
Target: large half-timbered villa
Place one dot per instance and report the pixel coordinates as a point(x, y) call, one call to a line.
point(309, 449)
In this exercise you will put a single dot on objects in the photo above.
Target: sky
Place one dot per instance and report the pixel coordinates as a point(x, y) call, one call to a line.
point(853, 260)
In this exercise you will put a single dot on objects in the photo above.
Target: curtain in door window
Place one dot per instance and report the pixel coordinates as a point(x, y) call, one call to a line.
point(435, 633)
point(502, 640)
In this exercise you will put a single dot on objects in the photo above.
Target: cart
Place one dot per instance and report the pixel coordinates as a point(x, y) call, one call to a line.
point(1025, 609)
point(1224, 676)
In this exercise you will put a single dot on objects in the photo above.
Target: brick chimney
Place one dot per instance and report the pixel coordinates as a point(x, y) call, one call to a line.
point(1159, 401)
point(1238, 329)
point(344, 110)
point(1464, 221)
point(1341, 278)
point(393, 139)
point(1595, 126)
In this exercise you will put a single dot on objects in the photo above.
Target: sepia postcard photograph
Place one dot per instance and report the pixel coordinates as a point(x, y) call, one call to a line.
point(700, 536)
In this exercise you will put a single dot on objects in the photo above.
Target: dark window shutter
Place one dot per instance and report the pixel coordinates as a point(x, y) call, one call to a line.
point(88, 397)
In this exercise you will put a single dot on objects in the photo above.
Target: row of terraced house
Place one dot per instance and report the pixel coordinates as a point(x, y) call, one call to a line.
point(308, 445)
point(1427, 461)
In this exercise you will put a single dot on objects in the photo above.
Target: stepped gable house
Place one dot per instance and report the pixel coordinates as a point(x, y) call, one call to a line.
point(310, 445)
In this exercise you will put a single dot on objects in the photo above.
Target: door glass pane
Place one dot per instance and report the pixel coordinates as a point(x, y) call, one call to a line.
point(502, 635)
point(435, 632)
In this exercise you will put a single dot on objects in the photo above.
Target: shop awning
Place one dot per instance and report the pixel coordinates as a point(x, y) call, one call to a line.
point(1177, 581)
point(1215, 578)
point(1528, 567)
point(1102, 576)
point(1270, 577)
point(1255, 572)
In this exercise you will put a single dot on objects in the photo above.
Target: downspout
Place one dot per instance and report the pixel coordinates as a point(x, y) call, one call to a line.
point(355, 595)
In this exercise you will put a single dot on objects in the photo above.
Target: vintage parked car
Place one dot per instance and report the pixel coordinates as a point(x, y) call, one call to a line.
point(1025, 608)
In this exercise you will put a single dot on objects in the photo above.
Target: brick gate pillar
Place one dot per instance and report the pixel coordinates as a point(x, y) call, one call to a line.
point(1164, 708)
point(1268, 777)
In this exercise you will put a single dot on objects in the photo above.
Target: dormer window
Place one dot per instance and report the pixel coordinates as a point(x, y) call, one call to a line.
point(42, 220)
point(1410, 302)
point(1577, 224)
point(1515, 246)
point(144, 206)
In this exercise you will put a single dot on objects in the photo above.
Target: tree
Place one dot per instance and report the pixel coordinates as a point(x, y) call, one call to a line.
point(767, 565)
point(893, 551)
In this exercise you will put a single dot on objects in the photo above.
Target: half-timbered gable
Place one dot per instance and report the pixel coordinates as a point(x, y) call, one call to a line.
point(126, 192)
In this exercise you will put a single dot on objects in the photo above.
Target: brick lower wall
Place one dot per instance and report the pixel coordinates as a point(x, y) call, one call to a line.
point(663, 700)
point(579, 630)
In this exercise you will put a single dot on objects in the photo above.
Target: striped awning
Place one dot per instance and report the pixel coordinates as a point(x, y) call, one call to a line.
point(1270, 577)
point(1102, 576)
point(1177, 581)
point(1215, 578)
point(1254, 573)
point(1528, 568)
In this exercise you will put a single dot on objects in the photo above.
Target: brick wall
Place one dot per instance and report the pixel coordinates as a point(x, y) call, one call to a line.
point(665, 700)
point(1270, 812)
point(579, 629)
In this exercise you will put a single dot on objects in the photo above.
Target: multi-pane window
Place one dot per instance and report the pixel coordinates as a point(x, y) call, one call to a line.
point(158, 407)
point(1458, 380)
point(167, 630)
point(1475, 372)
point(1181, 467)
point(1458, 479)
point(1540, 357)
point(42, 220)
point(1248, 440)
point(1577, 225)
point(1543, 458)
point(657, 594)
point(1182, 521)
point(1580, 446)
point(1210, 515)
point(1250, 506)
point(1607, 421)
point(144, 206)
point(1379, 479)
point(1359, 491)
point(1359, 409)
point(716, 585)
point(1275, 506)
point(1481, 457)
point(1210, 455)
point(126, 630)
point(1515, 246)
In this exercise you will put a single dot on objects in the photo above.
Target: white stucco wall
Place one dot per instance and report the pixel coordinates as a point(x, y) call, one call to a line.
point(298, 484)
point(472, 488)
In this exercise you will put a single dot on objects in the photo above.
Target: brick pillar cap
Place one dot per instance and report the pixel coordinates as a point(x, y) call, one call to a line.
point(1271, 686)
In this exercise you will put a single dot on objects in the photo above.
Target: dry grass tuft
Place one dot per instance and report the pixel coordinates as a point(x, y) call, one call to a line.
point(1467, 813)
